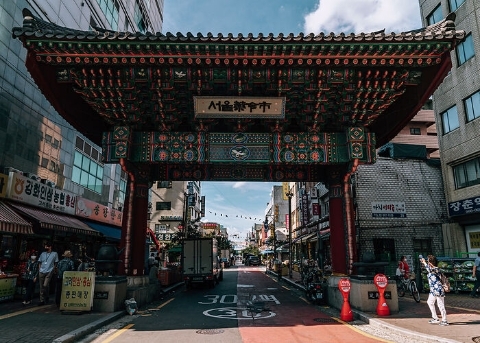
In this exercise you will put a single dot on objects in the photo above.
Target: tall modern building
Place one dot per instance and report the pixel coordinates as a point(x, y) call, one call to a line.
point(456, 104)
point(37, 146)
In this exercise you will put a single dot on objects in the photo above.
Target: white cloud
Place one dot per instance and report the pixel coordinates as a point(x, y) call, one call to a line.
point(358, 16)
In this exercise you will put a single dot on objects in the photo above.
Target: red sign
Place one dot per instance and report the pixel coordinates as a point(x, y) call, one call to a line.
point(95, 211)
point(380, 280)
point(344, 285)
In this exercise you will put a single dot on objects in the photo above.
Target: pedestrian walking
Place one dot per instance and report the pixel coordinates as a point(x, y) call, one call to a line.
point(47, 263)
point(476, 273)
point(31, 277)
point(65, 264)
point(437, 293)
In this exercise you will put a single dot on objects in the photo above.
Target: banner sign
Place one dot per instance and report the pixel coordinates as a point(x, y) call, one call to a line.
point(389, 209)
point(3, 185)
point(94, 211)
point(239, 107)
point(77, 291)
point(465, 206)
point(30, 191)
point(305, 211)
point(7, 288)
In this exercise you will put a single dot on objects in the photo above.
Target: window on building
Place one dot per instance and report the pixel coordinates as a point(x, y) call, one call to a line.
point(164, 184)
point(165, 205)
point(160, 228)
point(454, 4)
point(384, 249)
point(415, 131)
point(110, 10)
point(467, 174)
point(472, 106)
point(140, 18)
point(465, 50)
point(435, 16)
point(87, 172)
point(450, 120)
point(44, 162)
point(422, 247)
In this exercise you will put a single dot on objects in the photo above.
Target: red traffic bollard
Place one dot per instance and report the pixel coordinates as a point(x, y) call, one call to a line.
point(381, 281)
point(346, 313)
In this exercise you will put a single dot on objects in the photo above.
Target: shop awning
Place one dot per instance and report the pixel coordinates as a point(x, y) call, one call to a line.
point(109, 231)
point(304, 237)
point(55, 221)
point(11, 222)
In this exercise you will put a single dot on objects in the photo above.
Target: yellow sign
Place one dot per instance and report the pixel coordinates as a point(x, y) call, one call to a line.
point(238, 107)
point(3, 185)
point(7, 287)
point(286, 189)
point(474, 239)
point(77, 291)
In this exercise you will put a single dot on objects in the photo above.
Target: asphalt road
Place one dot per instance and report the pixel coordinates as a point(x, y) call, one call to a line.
point(221, 314)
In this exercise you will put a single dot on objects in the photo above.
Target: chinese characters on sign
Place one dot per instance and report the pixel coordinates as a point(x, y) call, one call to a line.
point(465, 206)
point(474, 238)
point(239, 107)
point(77, 291)
point(32, 192)
point(389, 209)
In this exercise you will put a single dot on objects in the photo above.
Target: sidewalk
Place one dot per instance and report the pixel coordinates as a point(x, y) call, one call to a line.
point(412, 318)
point(46, 324)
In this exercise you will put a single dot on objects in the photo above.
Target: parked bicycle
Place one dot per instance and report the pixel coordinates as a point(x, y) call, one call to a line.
point(408, 285)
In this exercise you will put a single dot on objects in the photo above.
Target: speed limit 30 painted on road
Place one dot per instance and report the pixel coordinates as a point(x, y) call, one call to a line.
point(241, 310)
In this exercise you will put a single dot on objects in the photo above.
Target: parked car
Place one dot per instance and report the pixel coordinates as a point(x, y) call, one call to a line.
point(225, 261)
point(252, 261)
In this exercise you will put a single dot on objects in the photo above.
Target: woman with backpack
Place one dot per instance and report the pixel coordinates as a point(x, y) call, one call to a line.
point(437, 293)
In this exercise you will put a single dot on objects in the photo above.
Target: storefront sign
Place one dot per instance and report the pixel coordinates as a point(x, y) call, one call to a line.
point(95, 211)
point(474, 240)
point(3, 185)
point(29, 191)
point(77, 291)
point(389, 209)
point(305, 211)
point(7, 287)
point(465, 206)
point(238, 107)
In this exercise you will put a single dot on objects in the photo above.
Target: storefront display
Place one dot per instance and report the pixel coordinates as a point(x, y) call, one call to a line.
point(458, 271)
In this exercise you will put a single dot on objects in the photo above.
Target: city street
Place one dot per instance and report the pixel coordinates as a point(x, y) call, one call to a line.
point(221, 314)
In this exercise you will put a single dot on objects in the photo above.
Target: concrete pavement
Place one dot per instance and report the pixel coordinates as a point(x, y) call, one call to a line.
point(45, 324)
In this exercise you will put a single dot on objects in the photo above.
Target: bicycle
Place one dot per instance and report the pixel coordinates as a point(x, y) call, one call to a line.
point(409, 284)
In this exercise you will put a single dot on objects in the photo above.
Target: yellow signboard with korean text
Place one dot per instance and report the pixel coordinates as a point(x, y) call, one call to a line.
point(3, 185)
point(77, 291)
point(7, 287)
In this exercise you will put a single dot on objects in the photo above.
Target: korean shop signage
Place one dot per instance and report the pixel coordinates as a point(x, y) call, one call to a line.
point(29, 191)
point(95, 211)
point(77, 291)
point(465, 206)
point(3, 185)
point(239, 107)
point(389, 209)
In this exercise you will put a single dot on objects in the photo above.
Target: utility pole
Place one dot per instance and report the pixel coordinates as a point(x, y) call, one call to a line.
point(289, 194)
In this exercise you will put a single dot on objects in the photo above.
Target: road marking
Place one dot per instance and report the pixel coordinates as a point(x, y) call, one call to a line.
point(118, 333)
point(165, 303)
point(27, 310)
point(237, 313)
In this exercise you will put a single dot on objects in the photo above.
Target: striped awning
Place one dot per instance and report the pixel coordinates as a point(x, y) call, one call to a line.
point(55, 221)
point(11, 222)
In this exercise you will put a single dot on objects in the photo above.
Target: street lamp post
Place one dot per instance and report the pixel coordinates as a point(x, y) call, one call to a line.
point(289, 195)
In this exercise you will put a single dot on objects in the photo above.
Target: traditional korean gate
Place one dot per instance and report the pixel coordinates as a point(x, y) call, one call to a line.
point(264, 108)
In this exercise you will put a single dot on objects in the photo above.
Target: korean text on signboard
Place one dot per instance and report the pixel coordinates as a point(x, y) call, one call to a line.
point(29, 191)
point(95, 211)
point(77, 291)
point(239, 107)
point(474, 239)
point(465, 206)
point(389, 209)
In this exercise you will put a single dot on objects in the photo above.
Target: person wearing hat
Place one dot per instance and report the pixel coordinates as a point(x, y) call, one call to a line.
point(65, 264)
point(47, 262)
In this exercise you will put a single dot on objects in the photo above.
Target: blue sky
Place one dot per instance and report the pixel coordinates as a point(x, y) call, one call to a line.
point(227, 200)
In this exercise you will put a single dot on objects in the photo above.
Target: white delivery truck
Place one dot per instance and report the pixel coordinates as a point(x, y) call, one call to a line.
point(200, 263)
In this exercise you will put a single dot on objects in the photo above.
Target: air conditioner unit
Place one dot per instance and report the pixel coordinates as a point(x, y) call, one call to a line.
point(51, 183)
point(32, 176)
point(314, 193)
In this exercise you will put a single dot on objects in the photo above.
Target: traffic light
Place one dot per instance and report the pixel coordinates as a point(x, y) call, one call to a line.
point(276, 213)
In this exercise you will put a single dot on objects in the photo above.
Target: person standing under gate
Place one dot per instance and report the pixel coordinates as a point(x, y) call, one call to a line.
point(476, 273)
point(48, 261)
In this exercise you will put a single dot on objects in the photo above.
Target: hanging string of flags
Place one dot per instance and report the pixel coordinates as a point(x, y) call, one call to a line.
point(237, 216)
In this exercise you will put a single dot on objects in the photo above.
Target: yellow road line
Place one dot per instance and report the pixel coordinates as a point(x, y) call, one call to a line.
point(118, 333)
point(17, 313)
point(361, 332)
point(165, 303)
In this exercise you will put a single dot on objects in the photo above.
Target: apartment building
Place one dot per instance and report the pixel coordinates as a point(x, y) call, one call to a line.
point(456, 104)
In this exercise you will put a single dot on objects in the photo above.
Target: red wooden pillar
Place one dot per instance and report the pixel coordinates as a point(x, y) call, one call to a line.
point(338, 244)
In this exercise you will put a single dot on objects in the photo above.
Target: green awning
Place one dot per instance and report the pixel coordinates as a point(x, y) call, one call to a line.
point(177, 248)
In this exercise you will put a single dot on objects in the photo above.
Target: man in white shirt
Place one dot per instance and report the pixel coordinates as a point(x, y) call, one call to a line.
point(48, 261)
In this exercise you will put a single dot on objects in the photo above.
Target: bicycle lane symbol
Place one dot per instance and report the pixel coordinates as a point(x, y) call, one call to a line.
point(236, 313)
